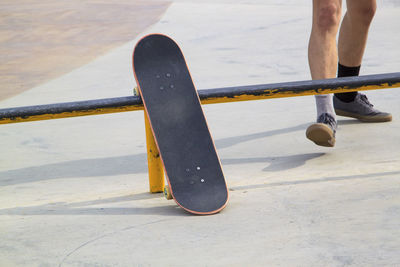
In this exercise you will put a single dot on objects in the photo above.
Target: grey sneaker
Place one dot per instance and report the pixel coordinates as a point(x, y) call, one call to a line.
point(323, 132)
point(360, 109)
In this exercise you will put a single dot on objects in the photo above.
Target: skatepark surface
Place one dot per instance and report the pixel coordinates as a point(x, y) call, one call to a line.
point(75, 192)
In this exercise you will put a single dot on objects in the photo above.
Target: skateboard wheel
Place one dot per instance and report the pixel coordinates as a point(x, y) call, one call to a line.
point(135, 91)
point(167, 192)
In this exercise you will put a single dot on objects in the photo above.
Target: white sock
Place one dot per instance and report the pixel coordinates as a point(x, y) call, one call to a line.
point(325, 105)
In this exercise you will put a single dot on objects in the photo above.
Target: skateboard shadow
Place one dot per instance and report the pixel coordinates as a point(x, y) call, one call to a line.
point(101, 207)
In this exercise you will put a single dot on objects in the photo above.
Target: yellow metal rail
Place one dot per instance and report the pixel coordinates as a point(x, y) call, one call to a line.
point(209, 96)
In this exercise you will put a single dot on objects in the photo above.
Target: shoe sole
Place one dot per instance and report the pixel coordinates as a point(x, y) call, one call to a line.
point(376, 118)
point(321, 135)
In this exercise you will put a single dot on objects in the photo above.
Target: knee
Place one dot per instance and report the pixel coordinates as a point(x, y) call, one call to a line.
point(364, 15)
point(328, 17)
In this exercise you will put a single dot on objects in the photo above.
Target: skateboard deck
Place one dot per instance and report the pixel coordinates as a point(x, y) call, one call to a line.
point(190, 160)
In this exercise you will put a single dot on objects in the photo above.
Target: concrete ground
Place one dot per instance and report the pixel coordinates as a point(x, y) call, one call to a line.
point(74, 192)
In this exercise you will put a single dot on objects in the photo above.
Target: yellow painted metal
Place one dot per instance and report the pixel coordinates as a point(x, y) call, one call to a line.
point(136, 91)
point(156, 172)
point(72, 114)
point(274, 93)
point(167, 192)
point(267, 94)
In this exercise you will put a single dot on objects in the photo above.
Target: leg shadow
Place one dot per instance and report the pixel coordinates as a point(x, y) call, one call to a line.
point(277, 163)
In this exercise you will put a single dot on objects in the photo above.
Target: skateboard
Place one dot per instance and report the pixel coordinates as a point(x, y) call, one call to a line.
point(191, 164)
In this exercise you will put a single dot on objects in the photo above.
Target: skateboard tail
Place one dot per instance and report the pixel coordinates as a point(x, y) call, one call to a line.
point(156, 141)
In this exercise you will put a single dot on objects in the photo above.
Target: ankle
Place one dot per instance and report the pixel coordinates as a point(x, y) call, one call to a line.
point(345, 71)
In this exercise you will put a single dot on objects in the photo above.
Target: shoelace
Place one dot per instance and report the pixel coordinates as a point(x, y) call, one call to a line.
point(328, 119)
point(365, 100)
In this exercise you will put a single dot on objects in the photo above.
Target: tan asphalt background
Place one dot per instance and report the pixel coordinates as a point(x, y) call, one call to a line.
point(41, 40)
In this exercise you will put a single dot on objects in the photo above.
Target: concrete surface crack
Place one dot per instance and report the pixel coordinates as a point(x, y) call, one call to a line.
point(106, 235)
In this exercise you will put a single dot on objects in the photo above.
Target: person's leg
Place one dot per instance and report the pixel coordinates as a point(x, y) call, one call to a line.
point(322, 57)
point(352, 42)
point(353, 39)
point(354, 31)
point(322, 49)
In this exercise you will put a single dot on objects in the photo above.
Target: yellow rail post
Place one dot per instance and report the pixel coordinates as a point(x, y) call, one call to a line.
point(156, 171)
point(155, 166)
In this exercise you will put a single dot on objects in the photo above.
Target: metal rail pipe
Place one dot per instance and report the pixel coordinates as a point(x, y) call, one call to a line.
point(207, 96)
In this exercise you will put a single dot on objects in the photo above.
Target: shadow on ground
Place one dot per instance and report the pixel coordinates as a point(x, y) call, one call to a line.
point(102, 206)
point(313, 181)
point(276, 163)
point(135, 164)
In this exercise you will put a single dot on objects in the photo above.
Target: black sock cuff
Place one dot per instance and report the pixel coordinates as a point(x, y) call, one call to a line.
point(344, 71)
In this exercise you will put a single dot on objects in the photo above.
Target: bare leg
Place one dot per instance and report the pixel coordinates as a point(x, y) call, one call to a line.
point(352, 41)
point(354, 31)
point(323, 57)
point(322, 51)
